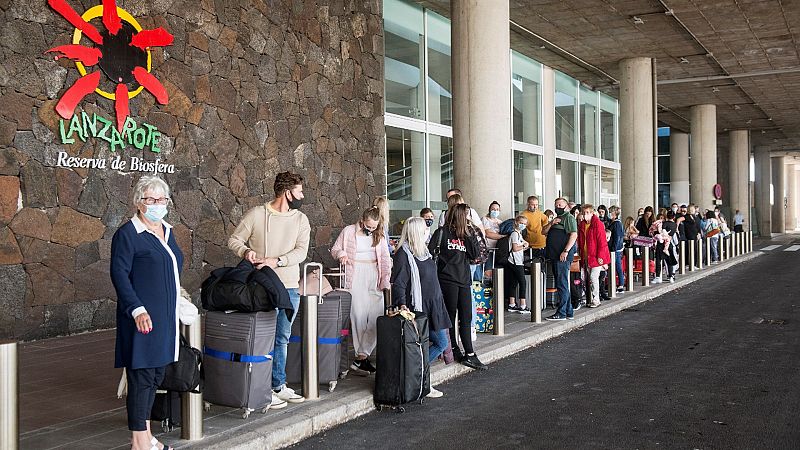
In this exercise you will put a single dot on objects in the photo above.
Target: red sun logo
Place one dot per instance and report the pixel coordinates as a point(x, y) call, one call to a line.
point(121, 52)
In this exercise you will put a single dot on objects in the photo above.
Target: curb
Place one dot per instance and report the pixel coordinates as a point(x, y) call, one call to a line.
point(323, 415)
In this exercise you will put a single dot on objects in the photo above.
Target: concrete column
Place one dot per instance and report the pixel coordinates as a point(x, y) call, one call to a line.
point(703, 162)
point(739, 179)
point(778, 194)
point(679, 167)
point(636, 133)
point(763, 182)
point(791, 194)
point(482, 101)
point(549, 137)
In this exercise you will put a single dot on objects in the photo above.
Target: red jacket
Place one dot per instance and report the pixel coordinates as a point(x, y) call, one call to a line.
point(594, 241)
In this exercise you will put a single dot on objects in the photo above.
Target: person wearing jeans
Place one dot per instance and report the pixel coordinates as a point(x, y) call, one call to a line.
point(562, 232)
point(616, 244)
point(277, 235)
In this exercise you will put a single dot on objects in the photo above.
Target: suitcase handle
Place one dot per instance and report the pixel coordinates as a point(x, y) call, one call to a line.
point(306, 271)
point(341, 274)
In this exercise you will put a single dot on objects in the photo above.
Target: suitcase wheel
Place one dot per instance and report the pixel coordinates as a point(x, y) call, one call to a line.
point(265, 409)
point(378, 407)
point(331, 386)
point(246, 413)
point(399, 410)
point(206, 406)
point(343, 375)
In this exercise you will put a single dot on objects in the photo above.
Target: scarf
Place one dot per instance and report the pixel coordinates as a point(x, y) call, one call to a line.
point(416, 285)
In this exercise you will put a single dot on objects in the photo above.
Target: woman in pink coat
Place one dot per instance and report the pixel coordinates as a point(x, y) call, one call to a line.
point(361, 248)
point(593, 248)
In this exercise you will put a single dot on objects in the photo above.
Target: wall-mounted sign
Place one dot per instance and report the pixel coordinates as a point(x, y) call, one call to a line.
point(718, 191)
point(121, 53)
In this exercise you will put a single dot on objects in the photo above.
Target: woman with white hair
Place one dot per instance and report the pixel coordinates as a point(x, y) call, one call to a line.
point(415, 286)
point(145, 269)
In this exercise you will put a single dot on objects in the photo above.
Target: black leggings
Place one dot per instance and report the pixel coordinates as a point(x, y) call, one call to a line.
point(661, 259)
point(459, 299)
point(515, 275)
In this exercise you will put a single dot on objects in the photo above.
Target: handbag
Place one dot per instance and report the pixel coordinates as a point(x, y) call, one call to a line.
point(713, 232)
point(483, 249)
point(643, 241)
point(438, 249)
point(184, 374)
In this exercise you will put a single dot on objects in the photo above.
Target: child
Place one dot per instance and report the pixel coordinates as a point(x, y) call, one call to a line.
point(516, 271)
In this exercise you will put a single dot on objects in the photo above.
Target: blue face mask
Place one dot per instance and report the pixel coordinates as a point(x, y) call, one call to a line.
point(494, 214)
point(520, 226)
point(155, 213)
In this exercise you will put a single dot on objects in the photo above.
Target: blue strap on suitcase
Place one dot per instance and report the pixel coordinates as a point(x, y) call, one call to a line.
point(236, 357)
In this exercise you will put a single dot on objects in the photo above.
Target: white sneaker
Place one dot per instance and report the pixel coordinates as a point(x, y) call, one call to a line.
point(287, 394)
point(435, 393)
point(671, 279)
point(276, 402)
point(656, 280)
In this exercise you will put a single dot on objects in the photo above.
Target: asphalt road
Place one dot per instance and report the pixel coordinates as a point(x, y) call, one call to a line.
point(712, 365)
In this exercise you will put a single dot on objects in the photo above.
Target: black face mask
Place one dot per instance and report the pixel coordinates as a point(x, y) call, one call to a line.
point(559, 211)
point(366, 231)
point(429, 222)
point(294, 203)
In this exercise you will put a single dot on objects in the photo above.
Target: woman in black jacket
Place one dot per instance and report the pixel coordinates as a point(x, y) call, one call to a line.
point(415, 286)
point(456, 246)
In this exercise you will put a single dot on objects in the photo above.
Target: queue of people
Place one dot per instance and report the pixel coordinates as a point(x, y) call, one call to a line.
point(427, 271)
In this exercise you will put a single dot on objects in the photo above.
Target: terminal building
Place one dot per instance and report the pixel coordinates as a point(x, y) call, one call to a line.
point(635, 103)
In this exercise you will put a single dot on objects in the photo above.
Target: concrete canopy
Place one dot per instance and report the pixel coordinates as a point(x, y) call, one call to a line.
point(741, 55)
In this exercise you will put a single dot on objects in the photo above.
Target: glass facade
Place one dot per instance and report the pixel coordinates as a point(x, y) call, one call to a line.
point(663, 174)
point(419, 144)
point(528, 178)
point(566, 108)
point(526, 89)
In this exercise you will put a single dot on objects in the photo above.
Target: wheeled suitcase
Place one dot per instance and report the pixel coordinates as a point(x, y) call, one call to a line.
point(484, 311)
point(167, 410)
point(333, 322)
point(403, 368)
point(238, 363)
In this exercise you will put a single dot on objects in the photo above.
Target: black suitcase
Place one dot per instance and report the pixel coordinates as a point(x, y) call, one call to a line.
point(403, 368)
point(167, 410)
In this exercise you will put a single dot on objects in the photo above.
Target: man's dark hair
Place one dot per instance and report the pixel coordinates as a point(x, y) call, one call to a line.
point(670, 215)
point(285, 181)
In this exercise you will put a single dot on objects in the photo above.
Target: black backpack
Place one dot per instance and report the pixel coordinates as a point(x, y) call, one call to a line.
point(502, 251)
point(244, 289)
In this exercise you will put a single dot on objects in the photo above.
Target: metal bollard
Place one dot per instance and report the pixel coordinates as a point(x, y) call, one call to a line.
point(682, 258)
point(692, 255)
point(645, 266)
point(700, 253)
point(750, 241)
point(722, 247)
point(191, 403)
point(612, 276)
point(310, 336)
point(708, 250)
point(9, 396)
point(537, 288)
point(498, 302)
point(629, 269)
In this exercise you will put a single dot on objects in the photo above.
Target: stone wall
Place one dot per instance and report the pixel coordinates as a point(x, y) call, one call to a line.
point(256, 87)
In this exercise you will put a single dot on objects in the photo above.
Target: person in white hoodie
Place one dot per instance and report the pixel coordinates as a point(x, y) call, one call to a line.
point(277, 235)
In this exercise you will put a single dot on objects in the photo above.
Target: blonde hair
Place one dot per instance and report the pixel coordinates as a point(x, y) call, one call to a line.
point(382, 204)
point(414, 233)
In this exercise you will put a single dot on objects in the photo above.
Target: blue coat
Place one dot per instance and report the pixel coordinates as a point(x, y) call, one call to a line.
point(143, 275)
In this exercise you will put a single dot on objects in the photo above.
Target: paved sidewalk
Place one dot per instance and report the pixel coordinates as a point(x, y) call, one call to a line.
point(68, 386)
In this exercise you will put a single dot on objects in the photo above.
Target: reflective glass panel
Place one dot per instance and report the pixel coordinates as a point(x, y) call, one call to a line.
point(440, 161)
point(608, 111)
point(609, 194)
point(527, 178)
point(403, 41)
point(526, 85)
point(566, 106)
point(405, 169)
point(590, 181)
point(440, 99)
point(566, 178)
point(588, 122)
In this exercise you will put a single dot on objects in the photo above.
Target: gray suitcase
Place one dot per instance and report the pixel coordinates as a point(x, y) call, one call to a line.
point(238, 351)
point(333, 340)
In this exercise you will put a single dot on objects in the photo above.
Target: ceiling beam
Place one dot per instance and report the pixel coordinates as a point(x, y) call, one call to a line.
point(756, 73)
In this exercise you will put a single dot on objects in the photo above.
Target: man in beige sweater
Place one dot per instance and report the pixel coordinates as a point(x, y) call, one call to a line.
point(276, 235)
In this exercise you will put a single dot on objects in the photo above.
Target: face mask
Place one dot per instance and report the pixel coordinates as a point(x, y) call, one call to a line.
point(494, 214)
point(559, 211)
point(675, 209)
point(295, 203)
point(429, 222)
point(366, 231)
point(531, 208)
point(520, 226)
point(155, 213)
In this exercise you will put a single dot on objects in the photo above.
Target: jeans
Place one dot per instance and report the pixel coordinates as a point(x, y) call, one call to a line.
point(594, 278)
point(283, 330)
point(714, 242)
point(561, 273)
point(620, 273)
point(438, 343)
